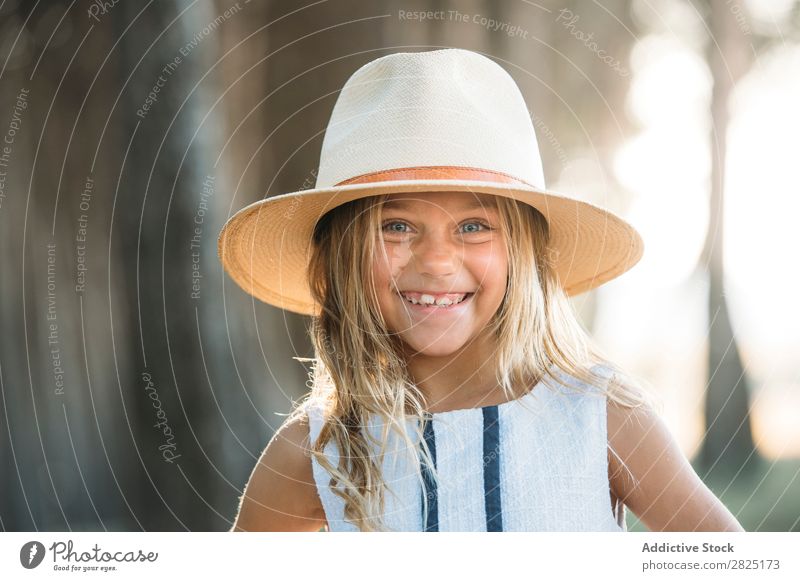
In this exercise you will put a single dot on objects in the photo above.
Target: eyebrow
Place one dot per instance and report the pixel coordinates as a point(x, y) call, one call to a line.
point(403, 204)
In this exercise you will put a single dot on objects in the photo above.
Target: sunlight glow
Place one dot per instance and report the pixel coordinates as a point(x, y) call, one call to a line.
point(762, 240)
point(661, 303)
point(667, 165)
point(763, 205)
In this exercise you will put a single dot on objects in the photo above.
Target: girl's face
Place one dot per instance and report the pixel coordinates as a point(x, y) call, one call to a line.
point(446, 245)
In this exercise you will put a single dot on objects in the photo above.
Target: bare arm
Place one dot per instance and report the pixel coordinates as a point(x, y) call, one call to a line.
point(659, 485)
point(281, 494)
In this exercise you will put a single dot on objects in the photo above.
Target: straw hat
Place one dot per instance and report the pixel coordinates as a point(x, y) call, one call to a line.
point(439, 120)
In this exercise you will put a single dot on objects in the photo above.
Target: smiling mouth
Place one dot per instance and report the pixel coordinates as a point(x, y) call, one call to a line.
point(430, 307)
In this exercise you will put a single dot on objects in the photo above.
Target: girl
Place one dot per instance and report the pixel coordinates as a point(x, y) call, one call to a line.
point(453, 388)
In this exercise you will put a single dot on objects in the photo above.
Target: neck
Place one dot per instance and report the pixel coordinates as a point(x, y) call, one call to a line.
point(466, 375)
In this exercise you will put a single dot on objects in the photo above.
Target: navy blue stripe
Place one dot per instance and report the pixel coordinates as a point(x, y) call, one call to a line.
point(491, 469)
point(432, 522)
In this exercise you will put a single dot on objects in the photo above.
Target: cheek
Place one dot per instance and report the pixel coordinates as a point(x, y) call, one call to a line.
point(387, 263)
point(490, 267)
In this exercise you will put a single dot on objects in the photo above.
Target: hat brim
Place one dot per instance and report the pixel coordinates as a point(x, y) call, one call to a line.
point(265, 246)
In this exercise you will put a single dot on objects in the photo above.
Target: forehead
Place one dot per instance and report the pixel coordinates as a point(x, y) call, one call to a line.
point(451, 200)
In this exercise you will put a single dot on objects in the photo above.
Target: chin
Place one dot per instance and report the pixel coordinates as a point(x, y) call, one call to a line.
point(442, 346)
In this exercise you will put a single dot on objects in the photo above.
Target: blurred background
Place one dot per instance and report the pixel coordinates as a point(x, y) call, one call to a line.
point(139, 385)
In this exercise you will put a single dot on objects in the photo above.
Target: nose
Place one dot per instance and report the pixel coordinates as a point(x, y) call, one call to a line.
point(436, 255)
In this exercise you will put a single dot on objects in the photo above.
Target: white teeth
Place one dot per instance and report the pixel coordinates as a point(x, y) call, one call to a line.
point(431, 300)
point(427, 299)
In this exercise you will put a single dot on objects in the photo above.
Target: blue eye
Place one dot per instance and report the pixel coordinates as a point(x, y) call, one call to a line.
point(393, 223)
point(481, 224)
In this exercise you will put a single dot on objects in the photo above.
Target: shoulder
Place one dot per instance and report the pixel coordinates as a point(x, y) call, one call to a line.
point(650, 474)
point(643, 450)
point(281, 493)
point(636, 433)
point(291, 442)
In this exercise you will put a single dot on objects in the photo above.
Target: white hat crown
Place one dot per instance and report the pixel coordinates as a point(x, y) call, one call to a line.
point(448, 107)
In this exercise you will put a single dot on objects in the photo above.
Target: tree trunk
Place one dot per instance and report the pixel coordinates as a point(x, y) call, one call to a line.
point(728, 445)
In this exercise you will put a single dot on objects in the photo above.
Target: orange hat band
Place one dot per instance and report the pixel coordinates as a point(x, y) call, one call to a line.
point(435, 172)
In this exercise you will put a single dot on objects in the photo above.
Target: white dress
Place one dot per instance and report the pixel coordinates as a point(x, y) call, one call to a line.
point(536, 463)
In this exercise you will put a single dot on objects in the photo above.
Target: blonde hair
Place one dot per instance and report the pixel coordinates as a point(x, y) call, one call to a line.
point(359, 370)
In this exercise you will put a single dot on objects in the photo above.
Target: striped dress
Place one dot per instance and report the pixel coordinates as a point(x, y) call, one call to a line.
point(536, 463)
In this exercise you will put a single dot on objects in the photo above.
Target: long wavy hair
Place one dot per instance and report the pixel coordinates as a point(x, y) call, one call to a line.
point(359, 372)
